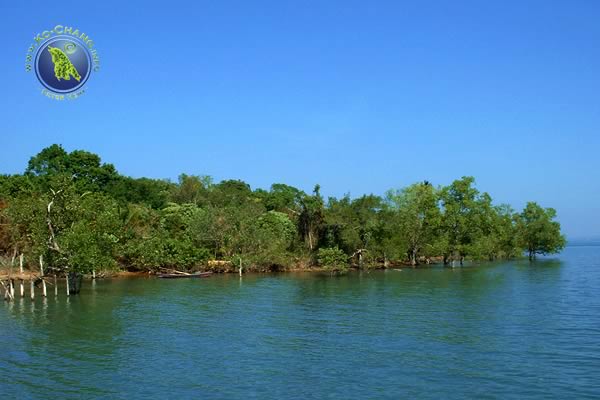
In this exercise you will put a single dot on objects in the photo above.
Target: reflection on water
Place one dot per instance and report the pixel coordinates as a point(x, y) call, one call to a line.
point(494, 330)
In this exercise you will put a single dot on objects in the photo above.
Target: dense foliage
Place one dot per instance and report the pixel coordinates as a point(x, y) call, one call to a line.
point(82, 215)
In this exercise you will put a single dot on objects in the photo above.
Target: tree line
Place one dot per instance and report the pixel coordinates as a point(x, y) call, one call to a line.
point(81, 215)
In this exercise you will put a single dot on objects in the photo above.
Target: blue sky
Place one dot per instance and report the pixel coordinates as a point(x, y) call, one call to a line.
point(357, 96)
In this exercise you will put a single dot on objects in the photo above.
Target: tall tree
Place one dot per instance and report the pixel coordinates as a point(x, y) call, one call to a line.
point(191, 189)
point(82, 167)
point(311, 218)
point(285, 198)
point(50, 161)
point(150, 192)
point(418, 217)
point(537, 232)
point(81, 214)
point(459, 217)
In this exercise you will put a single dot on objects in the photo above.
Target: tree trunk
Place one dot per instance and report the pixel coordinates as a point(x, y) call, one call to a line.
point(413, 258)
point(44, 290)
point(12, 261)
point(6, 291)
point(53, 244)
point(74, 282)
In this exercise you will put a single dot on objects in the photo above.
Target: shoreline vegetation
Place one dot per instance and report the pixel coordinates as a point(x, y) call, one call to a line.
point(75, 215)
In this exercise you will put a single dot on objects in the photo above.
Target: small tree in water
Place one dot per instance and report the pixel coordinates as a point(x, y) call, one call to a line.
point(76, 233)
point(537, 233)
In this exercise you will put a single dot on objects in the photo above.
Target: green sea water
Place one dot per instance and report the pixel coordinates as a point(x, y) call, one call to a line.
point(492, 330)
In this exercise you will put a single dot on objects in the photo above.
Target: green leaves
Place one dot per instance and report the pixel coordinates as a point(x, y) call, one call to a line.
point(82, 215)
point(191, 189)
point(417, 218)
point(90, 231)
point(537, 232)
point(85, 169)
point(332, 259)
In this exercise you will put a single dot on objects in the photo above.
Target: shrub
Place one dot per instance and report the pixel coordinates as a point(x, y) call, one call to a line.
point(333, 259)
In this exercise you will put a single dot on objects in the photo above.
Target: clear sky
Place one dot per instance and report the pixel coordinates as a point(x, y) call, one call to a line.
point(359, 96)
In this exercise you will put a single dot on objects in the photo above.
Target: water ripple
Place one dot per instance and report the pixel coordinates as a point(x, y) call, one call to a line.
point(502, 330)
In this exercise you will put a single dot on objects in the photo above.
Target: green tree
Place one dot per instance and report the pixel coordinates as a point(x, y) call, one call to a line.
point(311, 218)
point(153, 193)
point(84, 168)
point(89, 242)
point(352, 224)
point(191, 189)
point(50, 161)
point(26, 230)
point(418, 218)
point(74, 232)
point(387, 243)
point(82, 215)
point(284, 198)
point(496, 232)
point(459, 217)
point(231, 193)
point(537, 232)
point(332, 259)
point(274, 235)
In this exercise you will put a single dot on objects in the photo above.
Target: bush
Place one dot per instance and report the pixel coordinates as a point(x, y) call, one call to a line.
point(333, 259)
point(155, 253)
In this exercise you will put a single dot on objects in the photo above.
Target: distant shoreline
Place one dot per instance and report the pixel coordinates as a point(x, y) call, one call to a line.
point(124, 273)
point(591, 243)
